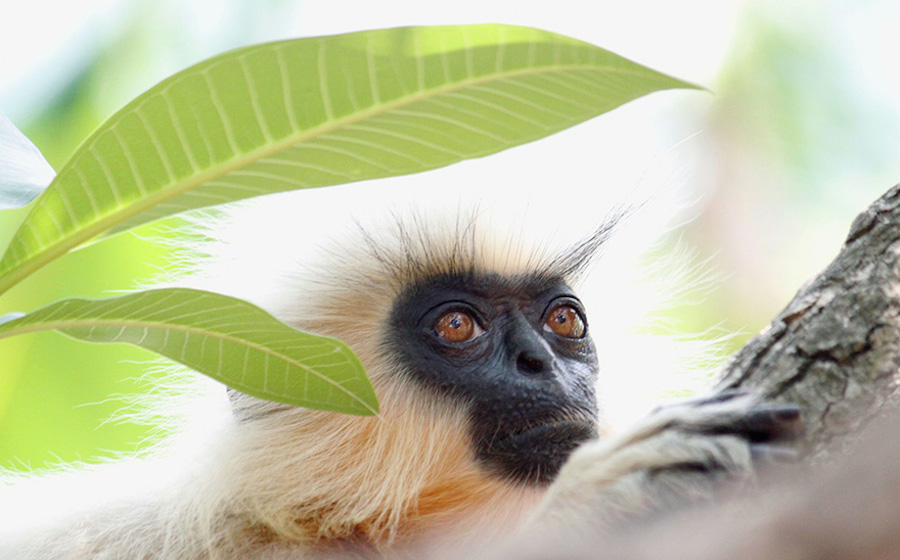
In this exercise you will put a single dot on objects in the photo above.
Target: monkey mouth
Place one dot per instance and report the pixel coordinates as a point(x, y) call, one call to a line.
point(536, 453)
point(557, 431)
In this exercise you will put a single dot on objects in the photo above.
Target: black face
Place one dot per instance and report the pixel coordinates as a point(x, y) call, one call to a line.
point(518, 352)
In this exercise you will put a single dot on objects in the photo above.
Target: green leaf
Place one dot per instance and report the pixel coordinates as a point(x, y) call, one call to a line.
point(228, 339)
point(321, 111)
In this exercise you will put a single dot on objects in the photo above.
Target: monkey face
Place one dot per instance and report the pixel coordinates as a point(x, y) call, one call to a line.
point(516, 352)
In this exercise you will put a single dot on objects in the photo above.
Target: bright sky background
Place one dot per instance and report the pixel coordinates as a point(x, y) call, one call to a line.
point(43, 35)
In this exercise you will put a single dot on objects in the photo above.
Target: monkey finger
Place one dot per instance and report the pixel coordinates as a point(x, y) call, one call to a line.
point(765, 455)
point(699, 402)
point(762, 423)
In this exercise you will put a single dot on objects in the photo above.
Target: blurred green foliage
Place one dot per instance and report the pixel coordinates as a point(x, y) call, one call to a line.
point(806, 140)
point(61, 400)
point(47, 377)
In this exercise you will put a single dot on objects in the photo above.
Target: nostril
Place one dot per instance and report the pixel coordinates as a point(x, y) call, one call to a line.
point(530, 364)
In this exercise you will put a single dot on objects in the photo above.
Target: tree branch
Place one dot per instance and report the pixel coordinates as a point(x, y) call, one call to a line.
point(835, 349)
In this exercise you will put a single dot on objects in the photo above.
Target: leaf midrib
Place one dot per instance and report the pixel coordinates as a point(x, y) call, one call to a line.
point(59, 248)
point(62, 324)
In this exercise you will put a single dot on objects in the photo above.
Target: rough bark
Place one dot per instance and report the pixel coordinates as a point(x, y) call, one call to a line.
point(835, 349)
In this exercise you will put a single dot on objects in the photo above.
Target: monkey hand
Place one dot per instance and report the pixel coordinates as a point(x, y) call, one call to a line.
point(681, 454)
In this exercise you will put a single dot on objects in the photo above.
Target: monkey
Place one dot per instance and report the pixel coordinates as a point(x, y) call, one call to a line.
point(490, 435)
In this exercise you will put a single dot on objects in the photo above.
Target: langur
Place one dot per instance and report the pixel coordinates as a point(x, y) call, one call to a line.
point(490, 434)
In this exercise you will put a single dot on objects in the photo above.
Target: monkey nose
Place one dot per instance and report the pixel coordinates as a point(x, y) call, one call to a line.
point(527, 348)
point(530, 364)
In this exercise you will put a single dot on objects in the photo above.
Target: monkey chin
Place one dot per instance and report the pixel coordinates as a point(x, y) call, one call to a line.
point(534, 456)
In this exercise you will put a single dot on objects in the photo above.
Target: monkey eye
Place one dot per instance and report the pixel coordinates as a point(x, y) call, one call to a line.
point(457, 326)
point(565, 321)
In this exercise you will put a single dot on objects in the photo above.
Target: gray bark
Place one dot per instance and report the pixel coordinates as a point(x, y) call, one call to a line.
point(835, 349)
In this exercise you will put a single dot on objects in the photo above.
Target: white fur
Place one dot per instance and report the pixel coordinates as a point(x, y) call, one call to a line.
point(276, 482)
